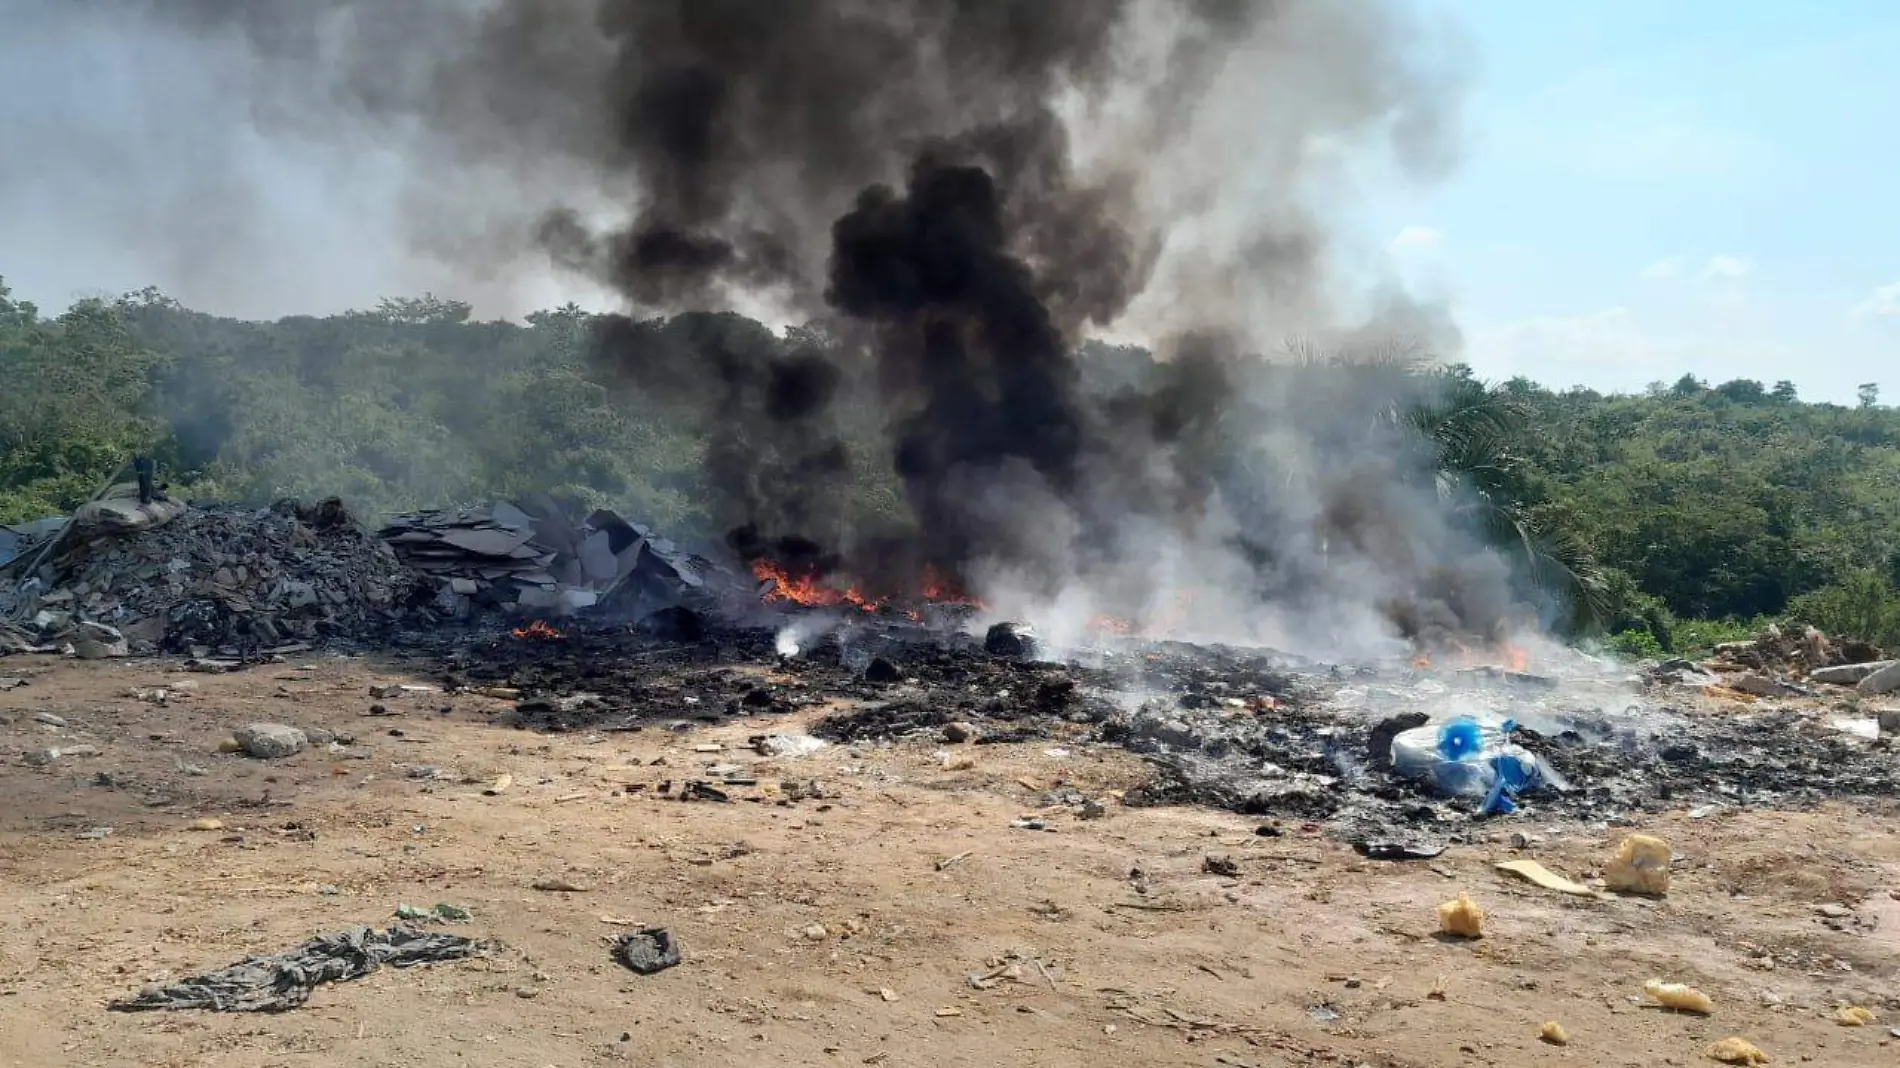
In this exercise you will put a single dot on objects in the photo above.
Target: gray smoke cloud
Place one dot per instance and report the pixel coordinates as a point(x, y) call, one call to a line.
point(960, 190)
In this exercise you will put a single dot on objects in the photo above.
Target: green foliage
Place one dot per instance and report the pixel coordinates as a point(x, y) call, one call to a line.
point(1695, 637)
point(76, 402)
point(1863, 605)
point(1668, 521)
point(1637, 645)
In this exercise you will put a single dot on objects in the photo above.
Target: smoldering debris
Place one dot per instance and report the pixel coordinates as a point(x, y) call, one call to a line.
point(539, 554)
point(952, 194)
point(1245, 730)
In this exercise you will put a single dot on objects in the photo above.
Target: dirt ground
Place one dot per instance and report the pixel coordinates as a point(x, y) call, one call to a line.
point(845, 929)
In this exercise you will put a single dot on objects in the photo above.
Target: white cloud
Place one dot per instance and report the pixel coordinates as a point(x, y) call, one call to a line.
point(1664, 269)
point(1883, 303)
point(1726, 267)
point(1416, 237)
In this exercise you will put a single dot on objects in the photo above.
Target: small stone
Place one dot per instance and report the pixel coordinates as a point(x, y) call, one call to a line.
point(319, 735)
point(815, 933)
point(49, 719)
point(957, 733)
point(270, 741)
point(1520, 840)
point(1834, 911)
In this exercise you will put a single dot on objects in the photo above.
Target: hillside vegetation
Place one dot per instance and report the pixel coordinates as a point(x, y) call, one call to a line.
point(1673, 518)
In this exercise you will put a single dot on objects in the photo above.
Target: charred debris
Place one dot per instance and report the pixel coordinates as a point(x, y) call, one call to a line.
point(586, 621)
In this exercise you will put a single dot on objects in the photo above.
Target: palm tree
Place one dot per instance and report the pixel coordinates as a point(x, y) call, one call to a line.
point(1472, 426)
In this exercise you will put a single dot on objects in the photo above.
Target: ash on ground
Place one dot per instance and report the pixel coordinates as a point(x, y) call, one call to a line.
point(1246, 730)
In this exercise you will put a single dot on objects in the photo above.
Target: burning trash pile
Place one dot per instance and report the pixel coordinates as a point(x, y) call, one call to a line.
point(212, 577)
point(1388, 753)
point(534, 555)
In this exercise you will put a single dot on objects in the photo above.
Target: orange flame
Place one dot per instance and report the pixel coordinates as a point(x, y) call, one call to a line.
point(805, 590)
point(808, 590)
point(940, 590)
point(537, 631)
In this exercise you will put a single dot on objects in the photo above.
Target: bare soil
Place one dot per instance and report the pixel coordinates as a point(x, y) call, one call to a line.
point(845, 929)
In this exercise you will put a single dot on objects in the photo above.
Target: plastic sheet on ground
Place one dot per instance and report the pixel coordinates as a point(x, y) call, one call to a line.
point(1463, 758)
point(284, 980)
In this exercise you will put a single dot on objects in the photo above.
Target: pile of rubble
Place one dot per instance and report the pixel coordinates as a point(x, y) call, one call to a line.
point(536, 555)
point(213, 578)
point(1778, 663)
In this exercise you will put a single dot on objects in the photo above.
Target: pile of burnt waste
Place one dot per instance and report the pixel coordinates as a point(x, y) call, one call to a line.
point(1329, 759)
point(1245, 730)
point(892, 679)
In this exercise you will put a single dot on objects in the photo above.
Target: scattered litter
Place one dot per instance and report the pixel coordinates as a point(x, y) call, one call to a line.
point(207, 824)
point(1553, 1032)
point(958, 859)
point(10, 682)
point(1733, 1050)
point(887, 994)
point(559, 885)
point(95, 834)
point(1029, 823)
point(49, 719)
point(1853, 1016)
point(1641, 866)
point(1461, 918)
point(1678, 997)
point(1389, 850)
point(499, 786)
point(440, 912)
point(1220, 864)
point(1544, 877)
point(1323, 1013)
point(646, 951)
point(787, 745)
point(284, 981)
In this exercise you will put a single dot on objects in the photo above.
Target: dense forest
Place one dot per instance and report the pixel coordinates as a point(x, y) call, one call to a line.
point(1678, 517)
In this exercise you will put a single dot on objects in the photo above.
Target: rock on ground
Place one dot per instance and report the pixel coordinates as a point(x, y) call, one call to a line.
point(270, 741)
point(1848, 674)
point(1886, 680)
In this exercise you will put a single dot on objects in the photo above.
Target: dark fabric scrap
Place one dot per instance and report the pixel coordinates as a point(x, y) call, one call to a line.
point(284, 980)
point(647, 951)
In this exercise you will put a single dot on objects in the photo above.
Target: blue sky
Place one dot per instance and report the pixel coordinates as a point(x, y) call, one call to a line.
point(1654, 188)
point(1645, 189)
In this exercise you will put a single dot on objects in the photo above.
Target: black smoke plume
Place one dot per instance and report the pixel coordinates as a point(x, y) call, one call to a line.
point(953, 193)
